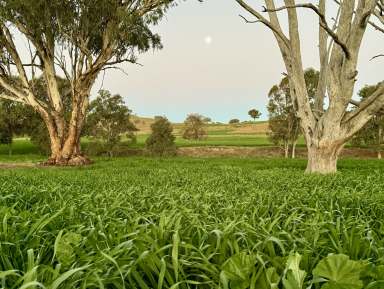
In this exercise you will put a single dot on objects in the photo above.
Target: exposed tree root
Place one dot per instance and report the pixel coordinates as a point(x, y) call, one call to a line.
point(73, 161)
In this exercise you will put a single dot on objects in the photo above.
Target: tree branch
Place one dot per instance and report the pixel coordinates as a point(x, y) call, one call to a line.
point(267, 23)
point(323, 23)
point(9, 97)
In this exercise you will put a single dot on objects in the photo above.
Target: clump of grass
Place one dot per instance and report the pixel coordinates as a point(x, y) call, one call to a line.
point(191, 223)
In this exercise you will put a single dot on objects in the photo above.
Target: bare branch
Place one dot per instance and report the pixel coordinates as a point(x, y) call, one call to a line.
point(368, 107)
point(267, 23)
point(355, 102)
point(377, 56)
point(323, 23)
point(9, 97)
point(249, 21)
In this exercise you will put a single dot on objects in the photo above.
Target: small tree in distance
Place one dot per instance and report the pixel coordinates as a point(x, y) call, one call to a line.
point(371, 134)
point(161, 142)
point(234, 121)
point(11, 122)
point(108, 120)
point(254, 113)
point(194, 127)
point(284, 125)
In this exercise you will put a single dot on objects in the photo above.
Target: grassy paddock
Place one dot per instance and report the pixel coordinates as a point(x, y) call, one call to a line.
point(184, 223)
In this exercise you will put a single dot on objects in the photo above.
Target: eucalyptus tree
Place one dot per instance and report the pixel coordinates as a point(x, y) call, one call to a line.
point(254, 113)
point(108, 120)
point(194, 127)
point(284, 127)
point(327, 125)
point(76, 39)
point(372, 133)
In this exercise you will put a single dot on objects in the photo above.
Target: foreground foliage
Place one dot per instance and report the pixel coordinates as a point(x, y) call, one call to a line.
point(192, 223)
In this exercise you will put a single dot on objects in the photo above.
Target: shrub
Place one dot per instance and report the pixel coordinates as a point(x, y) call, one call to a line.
point(109, 120)
point(161, 142)
point(194, 127)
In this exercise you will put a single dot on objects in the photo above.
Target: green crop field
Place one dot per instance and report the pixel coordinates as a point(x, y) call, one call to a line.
point(192, 223)
point(218, 139)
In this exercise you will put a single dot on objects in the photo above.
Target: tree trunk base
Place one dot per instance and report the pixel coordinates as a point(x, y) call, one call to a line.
point(73, 161)
point(322, 161)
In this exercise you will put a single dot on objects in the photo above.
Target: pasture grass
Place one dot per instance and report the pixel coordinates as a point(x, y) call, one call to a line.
point(187, 223)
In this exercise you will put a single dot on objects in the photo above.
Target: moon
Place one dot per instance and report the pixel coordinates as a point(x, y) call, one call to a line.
point(208, 40)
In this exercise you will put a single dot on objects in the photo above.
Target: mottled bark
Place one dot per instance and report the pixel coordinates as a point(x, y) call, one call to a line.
point(323, 160)
point(293, 154)
point(325, 130)
point(286, 149)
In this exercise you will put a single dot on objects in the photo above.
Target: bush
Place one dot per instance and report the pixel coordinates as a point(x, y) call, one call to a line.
point(234, 121)
point(108, 120)
point(40, 138)
point(194, 127)
point(97, 148)
point(161, 142)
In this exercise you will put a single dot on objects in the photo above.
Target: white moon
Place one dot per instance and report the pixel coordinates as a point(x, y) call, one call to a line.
point(208, 40)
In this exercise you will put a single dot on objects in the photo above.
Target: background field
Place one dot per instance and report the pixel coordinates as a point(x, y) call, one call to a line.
point(245, 139)
point(155, 223)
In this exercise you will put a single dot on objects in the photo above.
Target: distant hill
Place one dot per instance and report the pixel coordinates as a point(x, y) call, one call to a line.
point(143, 124)
point(261, 127)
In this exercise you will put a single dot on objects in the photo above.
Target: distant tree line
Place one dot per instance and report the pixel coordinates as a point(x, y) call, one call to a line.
point(107, 122)
point(108, 127)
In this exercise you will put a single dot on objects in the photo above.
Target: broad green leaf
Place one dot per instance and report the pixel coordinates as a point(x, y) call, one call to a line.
point(340, 272)
point(294, 277)
point(239, 267)
point(55, 284)
point(269, 279)
point(64, 247)
point(375, 285)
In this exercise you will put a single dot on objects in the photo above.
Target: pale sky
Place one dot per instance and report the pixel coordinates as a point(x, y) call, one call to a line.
point(215, 64)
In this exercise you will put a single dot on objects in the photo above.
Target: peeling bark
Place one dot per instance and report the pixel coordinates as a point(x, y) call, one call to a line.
point(323, 160)
point(325, 130)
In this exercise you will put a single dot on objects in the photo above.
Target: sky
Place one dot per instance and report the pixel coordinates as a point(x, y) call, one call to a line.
point(215, 64)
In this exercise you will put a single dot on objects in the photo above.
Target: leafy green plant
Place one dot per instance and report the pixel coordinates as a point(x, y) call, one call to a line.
point(188, 223)
point(161, 141)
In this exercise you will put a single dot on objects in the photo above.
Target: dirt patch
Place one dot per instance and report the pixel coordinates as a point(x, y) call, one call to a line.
point(17, 165)
point(264, 152)
point(252, 128)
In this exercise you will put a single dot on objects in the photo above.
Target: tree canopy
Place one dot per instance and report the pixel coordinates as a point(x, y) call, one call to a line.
point(77, 39)
point(254, 113)
point(108, 120)
point(326, 125)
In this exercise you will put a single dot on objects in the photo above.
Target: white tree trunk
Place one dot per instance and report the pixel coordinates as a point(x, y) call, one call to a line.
point(286, 149)
point(380, 136)
point(65, 144)
point(294, 149)
point(326, 128)
point(321, 162)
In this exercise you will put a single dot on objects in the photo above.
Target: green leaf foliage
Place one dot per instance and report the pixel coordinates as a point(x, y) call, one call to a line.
point(108, 120)
point(65, 250)
point(161, 141)
point(294, 277)
point(340, 272)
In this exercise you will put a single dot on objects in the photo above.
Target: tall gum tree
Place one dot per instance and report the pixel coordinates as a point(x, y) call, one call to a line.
point(326, 128)
point(76, 39)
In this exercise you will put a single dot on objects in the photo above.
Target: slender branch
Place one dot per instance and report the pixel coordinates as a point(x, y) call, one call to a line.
point(249, 21)
point(267, 23)
point(377, 56)
point(9, 97)
point(355, 102)
point(323, 23)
